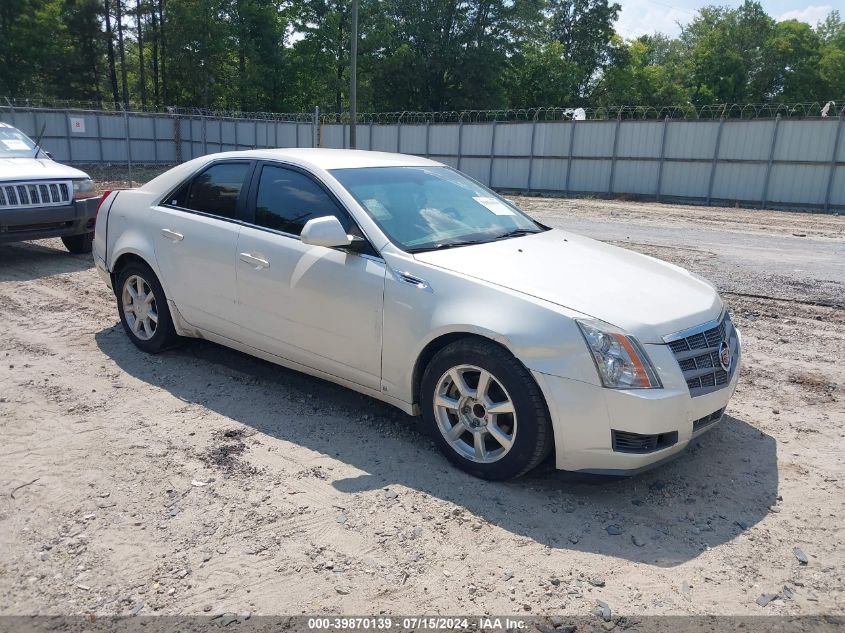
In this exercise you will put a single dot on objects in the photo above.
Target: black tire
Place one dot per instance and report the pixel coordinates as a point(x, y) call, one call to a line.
point(533, 438)
point(79, 244)
point(164, 335)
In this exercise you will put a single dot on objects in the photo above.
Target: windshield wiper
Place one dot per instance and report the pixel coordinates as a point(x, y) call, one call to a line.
point(515, 233)
point(444, 246)
point(38, 142)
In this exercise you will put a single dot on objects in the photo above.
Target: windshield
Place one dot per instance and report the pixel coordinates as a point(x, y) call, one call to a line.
point(425, 208)
point(15, 144)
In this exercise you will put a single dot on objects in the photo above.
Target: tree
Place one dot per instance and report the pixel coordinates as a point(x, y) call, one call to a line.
point(200, 63)
point(260, 31)
point(162, 45)
point(154, 62)
point(543, 75)
point(121, 48)
point(726, 53)
point(111, 55)
point(792, 56)
point(585, 30)
point(320, 58)
point(139, 34)
point(413, 54)
point(447, 54)
point(50, 48)
point(647, 71)
point(831, 30)
point(16, 45)
point(831, 63)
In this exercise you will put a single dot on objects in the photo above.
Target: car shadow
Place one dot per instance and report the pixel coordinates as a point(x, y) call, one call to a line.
point(24, 261)
point(723, 484)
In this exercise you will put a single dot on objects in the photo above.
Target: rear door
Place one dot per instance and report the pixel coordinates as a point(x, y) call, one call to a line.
point(196, 239)
point(318, 306)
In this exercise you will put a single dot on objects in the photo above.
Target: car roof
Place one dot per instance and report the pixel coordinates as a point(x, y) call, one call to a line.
point(310, 158)
point(324, 158)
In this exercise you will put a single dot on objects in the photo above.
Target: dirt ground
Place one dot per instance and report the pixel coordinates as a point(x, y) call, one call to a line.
point(202, 481)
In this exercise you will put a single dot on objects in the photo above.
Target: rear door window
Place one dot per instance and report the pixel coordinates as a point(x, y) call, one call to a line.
point(216, 191)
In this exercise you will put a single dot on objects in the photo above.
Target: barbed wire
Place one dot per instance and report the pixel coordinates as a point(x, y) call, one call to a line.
point(45, 103)
point(716, 111)
point(688, 111)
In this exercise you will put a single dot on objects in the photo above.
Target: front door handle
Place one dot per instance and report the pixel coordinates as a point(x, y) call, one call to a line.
point(255, 262)
point(172, 235)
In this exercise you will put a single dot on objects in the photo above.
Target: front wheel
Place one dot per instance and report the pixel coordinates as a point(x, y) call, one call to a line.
point(143, 308)
point(484, 410)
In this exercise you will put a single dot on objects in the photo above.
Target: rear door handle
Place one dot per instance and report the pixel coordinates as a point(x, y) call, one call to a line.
point(252, 260)
point(172, 235)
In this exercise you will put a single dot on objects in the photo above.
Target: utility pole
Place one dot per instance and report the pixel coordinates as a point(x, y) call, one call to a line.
point(353, 77)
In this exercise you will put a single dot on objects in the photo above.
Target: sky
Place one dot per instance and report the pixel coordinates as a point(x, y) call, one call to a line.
point(640, 17)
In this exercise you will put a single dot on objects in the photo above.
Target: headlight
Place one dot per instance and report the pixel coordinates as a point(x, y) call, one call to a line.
point(83, 188)
point(620, 360)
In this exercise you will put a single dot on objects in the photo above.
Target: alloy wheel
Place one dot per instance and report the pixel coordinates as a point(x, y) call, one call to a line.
point(139, 307)
point(475, 414)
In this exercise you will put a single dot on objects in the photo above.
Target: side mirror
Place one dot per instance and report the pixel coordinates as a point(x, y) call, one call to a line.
point(325, 231)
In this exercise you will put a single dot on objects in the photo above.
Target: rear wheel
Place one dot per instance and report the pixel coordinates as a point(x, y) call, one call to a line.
point(79, 244)
point(484, 410)
point(143, 308)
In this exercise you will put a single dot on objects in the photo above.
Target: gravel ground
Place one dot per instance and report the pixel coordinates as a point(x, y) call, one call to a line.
point(204, 481)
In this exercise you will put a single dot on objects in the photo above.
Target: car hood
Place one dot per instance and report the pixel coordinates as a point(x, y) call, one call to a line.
point(13, 169)
point(645, 296)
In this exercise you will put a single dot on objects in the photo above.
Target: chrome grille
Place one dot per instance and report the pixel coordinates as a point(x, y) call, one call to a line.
point(697, 353)
point(22, 195)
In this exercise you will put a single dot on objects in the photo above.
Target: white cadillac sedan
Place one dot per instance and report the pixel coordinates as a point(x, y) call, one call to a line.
point(405, 280)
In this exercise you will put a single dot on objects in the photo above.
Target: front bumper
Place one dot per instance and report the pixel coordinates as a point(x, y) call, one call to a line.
point(41, 222)
point(585, 416)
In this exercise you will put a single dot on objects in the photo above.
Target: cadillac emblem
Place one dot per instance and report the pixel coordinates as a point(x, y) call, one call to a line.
point(725, 359)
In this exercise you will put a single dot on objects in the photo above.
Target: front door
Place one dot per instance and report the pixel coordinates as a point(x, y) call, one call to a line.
point(321, 307)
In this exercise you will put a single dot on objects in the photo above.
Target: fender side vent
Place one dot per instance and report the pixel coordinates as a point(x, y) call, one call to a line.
point(408, 278)
point(625, 442)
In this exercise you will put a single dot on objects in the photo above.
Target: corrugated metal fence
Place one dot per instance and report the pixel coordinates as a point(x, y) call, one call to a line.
point(794, 163)
point(768, 162)
point(88, 136)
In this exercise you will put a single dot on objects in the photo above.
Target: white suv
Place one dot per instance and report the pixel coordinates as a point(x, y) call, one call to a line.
point(407, 281)
point(41, 198)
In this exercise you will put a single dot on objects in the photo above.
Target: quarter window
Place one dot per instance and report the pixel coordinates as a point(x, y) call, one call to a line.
point(216, 190)
point(287, 199)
